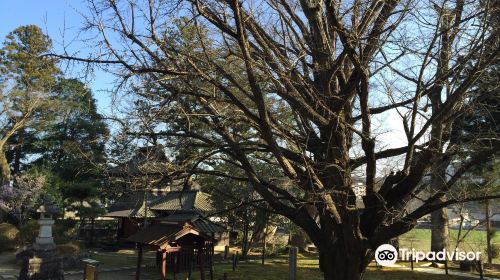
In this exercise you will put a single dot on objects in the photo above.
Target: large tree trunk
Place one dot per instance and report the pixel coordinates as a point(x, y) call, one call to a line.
point(338, 262)
point(4, 168)
point(439, 232)
point(439, 218)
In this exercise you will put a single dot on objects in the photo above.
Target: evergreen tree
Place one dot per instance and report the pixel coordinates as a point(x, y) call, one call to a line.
point(61, 134)
point(27, 78)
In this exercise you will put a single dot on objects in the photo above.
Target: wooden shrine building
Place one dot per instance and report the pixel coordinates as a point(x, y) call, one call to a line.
point(165, 214)
point(180, 207)
point(182, 246)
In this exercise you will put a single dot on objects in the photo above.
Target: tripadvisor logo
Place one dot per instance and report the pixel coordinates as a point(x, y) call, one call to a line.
point(387, 255)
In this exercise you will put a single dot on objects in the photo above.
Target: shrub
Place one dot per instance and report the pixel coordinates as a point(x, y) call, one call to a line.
point(493, 232)
point(68, 248)
point(61, 231)
point(70, 253)
point(276, 250)
point(495, 251)
point(9, 237)
point(28, 232)
point(64, 231)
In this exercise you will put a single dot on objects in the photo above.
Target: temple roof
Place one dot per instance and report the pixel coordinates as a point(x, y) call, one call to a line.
point(184, 201)
point(199, 222)
point(133, 205)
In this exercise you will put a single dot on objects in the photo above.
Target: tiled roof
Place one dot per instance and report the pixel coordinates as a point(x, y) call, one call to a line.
point(132, 205)
point(156, 235)
point(180, 217)
point(140, 212)
point(206, 226)
point(199, 222)
point(119, 214)
point(184, 201)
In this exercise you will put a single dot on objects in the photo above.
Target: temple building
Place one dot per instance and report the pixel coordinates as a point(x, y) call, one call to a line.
point(176, 209)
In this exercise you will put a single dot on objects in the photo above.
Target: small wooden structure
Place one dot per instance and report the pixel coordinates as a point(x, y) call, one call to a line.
point(90, 271)
point(176, 206)
point(180, 248)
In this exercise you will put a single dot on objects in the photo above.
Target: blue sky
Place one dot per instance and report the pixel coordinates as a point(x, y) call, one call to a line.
point(55, 17)
point(58, 16)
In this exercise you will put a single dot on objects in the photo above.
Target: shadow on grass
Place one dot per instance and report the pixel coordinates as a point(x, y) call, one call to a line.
point(277, 269)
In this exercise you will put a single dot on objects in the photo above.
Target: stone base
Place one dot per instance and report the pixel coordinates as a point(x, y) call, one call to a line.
point(43, 265)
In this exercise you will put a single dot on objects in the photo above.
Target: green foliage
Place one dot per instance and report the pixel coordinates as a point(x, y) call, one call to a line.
point(72, 143)
point(27, 78)
point(65, 138)
point(21, 59)
point(79, 191)
point(495, 251)
point(53, 183)
point(28, 232)
point(89, 210)
point(9, 237)
point(64, 231)
point(276, 250)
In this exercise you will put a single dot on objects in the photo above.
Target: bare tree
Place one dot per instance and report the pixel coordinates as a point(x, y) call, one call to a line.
point(301, 86)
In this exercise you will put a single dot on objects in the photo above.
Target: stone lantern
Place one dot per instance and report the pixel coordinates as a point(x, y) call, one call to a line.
point(44, 263)
point(44, 241)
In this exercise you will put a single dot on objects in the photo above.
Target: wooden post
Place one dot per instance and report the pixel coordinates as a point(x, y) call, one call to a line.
point(237, 258)
point(225, 275)
point(191, 256)
point(292, 263)
point(446, 266)
point(264, 247)
point(211, 259)
point(234, 262)
point(175, 265)
point(90, 270)
point(164, 264)
point(202, 269)
point(480, 268)
point(139, 263)
point(263, 255)
point(226, 252)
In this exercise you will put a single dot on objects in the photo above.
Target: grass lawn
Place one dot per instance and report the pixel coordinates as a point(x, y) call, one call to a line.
point(420, 239)
point(274, 269)
point(307, 269)
point(277, 268)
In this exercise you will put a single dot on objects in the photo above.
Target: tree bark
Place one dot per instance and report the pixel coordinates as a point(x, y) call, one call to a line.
point(439, 218)
point(4, 168)
point(489, 233)
point(439, 232)
point(18, 151)
point(338, 262)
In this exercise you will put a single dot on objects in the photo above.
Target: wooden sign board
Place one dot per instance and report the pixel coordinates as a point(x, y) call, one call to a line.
point(90, 272)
